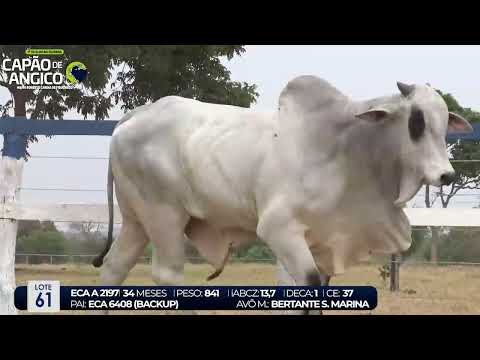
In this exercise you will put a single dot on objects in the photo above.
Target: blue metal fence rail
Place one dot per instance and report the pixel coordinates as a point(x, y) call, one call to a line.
point(24, 126)
point(15, 130)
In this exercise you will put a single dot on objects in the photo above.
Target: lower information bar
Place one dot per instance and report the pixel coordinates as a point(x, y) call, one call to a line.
point(50, 296)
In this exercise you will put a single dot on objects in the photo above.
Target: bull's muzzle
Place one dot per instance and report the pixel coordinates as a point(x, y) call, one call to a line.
point(447, 178)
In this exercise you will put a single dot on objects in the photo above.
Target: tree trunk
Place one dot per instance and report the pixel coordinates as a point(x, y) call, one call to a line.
point(20, 99)
point(11, 170)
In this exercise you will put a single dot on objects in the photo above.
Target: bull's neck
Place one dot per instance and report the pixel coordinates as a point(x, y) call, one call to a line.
point(370, 150)
point(373, 149)
point(367, 148)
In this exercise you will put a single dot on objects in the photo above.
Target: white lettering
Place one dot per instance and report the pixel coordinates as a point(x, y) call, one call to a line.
point(57, 78)
point(350, 304)
point(13, 79)
point(26, 63)
point(35, 64)
point(4, 65)
point(45, 63)
point(17, 65)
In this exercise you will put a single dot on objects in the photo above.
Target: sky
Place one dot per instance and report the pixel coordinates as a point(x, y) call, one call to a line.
point(360, 72)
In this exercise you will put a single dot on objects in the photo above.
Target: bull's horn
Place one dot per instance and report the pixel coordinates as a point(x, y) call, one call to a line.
point(404, 88)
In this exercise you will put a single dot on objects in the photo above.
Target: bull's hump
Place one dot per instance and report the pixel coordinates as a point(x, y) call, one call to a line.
point(311, 92)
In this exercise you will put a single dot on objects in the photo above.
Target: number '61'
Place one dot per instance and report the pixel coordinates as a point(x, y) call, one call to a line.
point(40, 302)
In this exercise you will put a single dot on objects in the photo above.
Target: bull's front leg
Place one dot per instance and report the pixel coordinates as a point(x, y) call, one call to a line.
point(284, 279)
point(286, 238)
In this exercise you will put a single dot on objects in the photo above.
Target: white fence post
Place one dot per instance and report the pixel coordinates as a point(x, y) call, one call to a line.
point(10, 180)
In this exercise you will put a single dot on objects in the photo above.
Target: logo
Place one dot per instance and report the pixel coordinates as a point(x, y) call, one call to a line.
point(76, 72)
point(35, 72)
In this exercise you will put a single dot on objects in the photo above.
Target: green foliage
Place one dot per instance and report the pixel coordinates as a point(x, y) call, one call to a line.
point(384, 273)
point(253, 252)
point(192, 71)
point(80, 245)
point(42, 242)
point(148, 250)
point(25, 227)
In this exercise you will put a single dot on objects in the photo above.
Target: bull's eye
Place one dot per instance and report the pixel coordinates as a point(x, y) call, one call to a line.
point(416, 124)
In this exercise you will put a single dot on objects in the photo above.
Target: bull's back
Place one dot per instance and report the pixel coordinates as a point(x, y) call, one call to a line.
point(201, 156)
point(221, 151)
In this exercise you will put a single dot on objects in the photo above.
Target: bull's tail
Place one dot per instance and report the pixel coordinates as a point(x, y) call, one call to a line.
point(218, 271)
point(98, 261)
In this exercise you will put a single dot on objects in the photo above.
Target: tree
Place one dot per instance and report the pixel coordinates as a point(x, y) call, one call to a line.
point(150, 72)
point(39, 241)
point(26, 227)
point(144, 74)
point(88, 232)
point(89, 229)
point(85, 238)
point(467, 173)
point(254, 251)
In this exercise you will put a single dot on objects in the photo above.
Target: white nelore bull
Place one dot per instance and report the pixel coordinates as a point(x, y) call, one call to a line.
point(322, 181)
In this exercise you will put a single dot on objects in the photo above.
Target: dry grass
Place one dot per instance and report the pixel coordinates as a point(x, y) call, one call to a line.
point(424, 289)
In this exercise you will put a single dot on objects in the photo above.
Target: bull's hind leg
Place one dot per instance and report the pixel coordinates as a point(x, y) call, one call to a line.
point(167, 271)
point(123, 254)
point(165, 228)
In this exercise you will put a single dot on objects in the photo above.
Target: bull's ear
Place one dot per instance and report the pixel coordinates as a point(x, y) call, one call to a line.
point(375, 115)
point(457, 124)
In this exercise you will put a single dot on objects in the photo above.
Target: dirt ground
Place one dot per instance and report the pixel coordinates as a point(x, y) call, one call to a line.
point(424, 289)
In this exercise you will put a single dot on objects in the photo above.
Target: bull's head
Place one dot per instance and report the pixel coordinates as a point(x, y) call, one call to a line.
point(420, 123)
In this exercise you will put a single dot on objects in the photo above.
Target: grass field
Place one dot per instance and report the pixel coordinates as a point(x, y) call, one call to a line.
point(424, 289)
